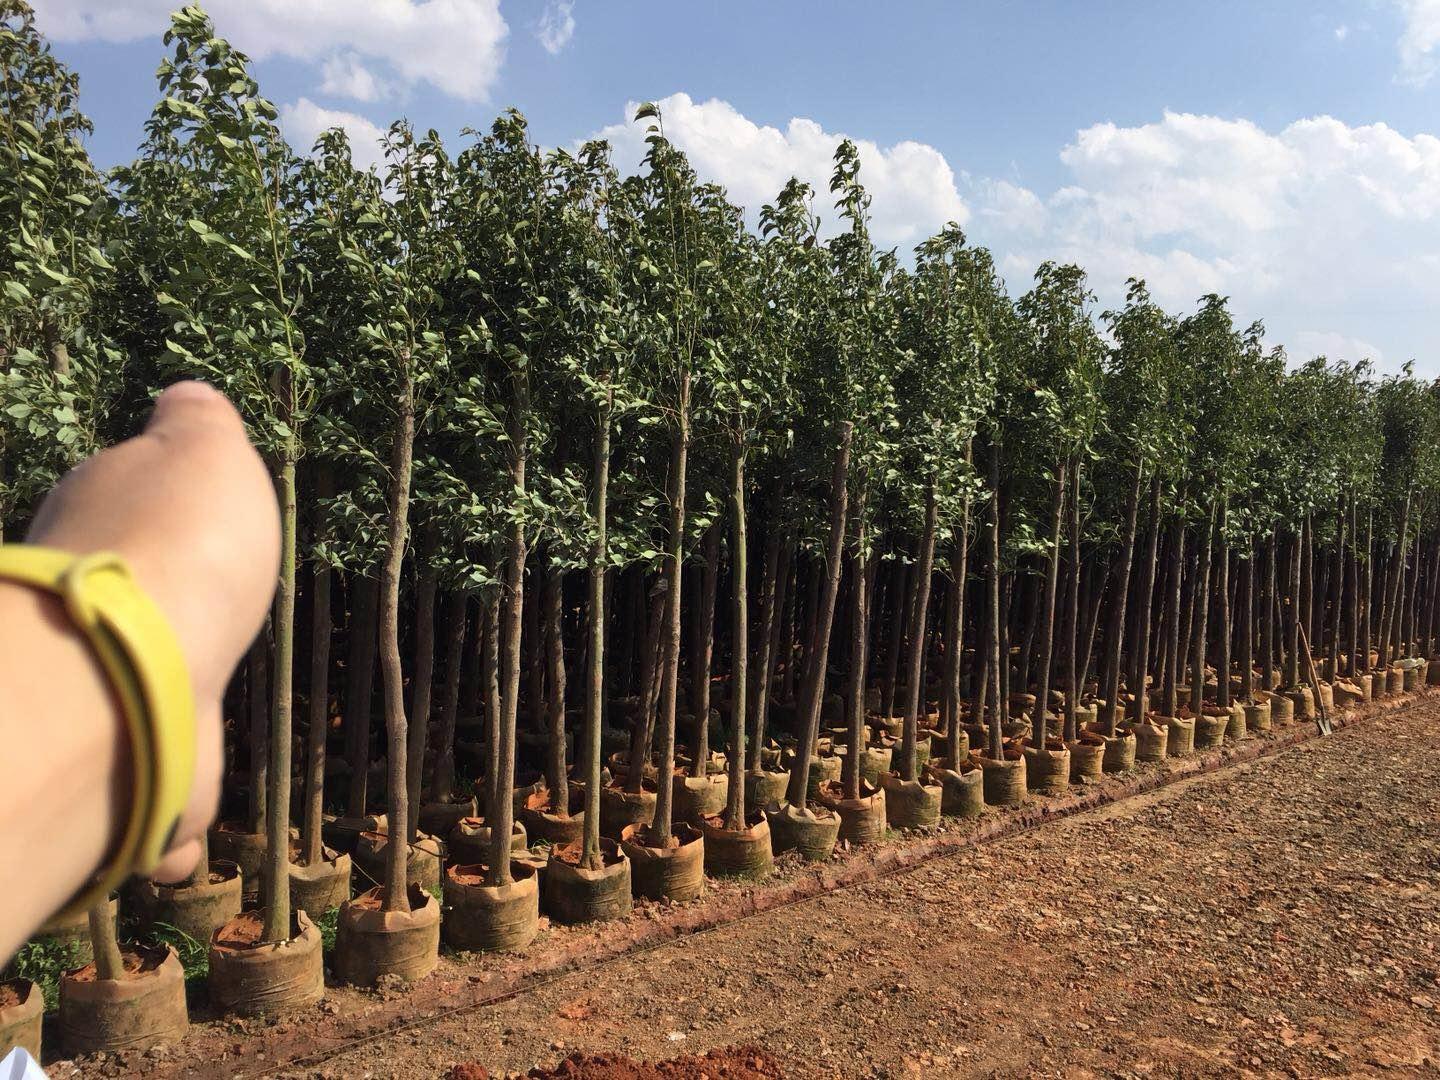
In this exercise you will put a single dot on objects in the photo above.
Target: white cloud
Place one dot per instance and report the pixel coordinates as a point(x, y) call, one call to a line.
point(1317, 223)
point(1342, 32)
point(912, 186)
point(557, 25)
point(1419, 38)
point(345, 75)
point(1316, 217)
point(1304, 344)
point(455, 45)
point(303, 120)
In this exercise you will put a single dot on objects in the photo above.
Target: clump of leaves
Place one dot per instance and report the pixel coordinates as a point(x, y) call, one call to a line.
point(43, 962)
point(194, 955)
point(329, 924)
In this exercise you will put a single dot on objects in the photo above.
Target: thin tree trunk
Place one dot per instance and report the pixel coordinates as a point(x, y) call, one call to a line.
point(490, 679)
point(360, 687)
point(1352, 593)
point(397, 848)
point(660, 829)
point(282, 685)
point(891, 678)
point(442, 783)
point(1147, 589)
point(502, 810)
point(421, 684)
point(311, 837)
point(759, 689)
point(1199, 627)
point(109, 962)
point(770, 657)
point(1247, 627)
point(1115, 632)
point(1173, 617)
point(1267, 617)
point(1047, 612)
point(533, 654)
point(993, 628)
point(642, 732)
point(595, 634)
point(552, 604)
point(704, 653)
point(1293, 610)
point(1365, 629)
point(855, 695)
point(1307, 579)
point(1072, 607)
point(1101, 574)
point(1337, 576)
point(955, 647)
point(786, 643)
point(1222, 673)
point(739, 637)
point(814, 688)
point(257, 691)
point(915, 678)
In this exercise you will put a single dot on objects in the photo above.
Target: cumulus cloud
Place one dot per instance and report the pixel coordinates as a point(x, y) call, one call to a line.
point(1337, 346)
point(1419, 38)
point(455, 45)
point(1318, 216)
point(912, 186)
point(345, 75)
point(557, 25)
point(303, 120)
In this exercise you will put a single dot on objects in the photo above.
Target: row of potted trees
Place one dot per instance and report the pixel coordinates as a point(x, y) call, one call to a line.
point(738, 533)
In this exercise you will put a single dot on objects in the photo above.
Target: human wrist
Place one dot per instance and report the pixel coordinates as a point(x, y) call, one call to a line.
point(69, 758)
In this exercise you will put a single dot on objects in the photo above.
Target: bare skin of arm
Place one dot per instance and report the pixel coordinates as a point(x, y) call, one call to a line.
point(190, 506)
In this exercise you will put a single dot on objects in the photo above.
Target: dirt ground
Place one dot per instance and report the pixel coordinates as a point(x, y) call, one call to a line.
point(1277, 918)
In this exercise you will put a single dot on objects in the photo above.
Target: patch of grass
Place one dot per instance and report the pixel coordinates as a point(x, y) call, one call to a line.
point(328, 924)
point(194, 955)
point(43, 962)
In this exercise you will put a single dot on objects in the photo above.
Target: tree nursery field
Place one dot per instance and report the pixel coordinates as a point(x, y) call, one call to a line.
point(631, 554)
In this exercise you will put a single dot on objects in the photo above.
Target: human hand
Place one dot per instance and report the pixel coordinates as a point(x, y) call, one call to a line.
point(191, 507)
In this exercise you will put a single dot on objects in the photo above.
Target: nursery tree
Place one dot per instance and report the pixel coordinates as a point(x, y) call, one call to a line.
point(849, 417)
point(942, 388)
point(674, 249)
point(59, 372)
point(1063, 366)
point(402, 253)
point(215, 195)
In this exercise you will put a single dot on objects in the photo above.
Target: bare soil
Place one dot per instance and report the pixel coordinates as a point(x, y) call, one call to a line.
point(1281, 917)
point(733, 1063)
point(137, 961)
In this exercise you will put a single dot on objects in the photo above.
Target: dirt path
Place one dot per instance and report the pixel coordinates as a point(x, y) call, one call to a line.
point(1279, 918)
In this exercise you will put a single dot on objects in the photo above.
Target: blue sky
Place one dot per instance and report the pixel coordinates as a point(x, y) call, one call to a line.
point(1282, 153)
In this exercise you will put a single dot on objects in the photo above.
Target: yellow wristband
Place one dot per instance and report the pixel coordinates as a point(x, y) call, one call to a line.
point(143, 661)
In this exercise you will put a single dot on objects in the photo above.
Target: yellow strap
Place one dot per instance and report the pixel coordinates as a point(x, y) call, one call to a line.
point(146, 668)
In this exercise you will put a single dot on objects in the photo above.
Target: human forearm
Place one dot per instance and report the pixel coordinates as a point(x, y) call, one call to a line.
point(64, 761)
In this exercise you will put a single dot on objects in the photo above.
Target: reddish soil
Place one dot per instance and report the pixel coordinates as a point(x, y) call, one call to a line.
point(644, 835)
point(137, 961)
point(1281, 917)
point(244, 931)
point(573, 853)
point(739, 1063)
